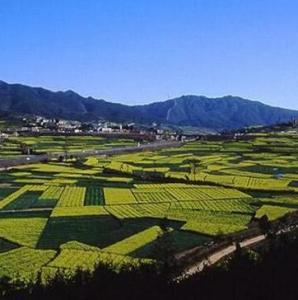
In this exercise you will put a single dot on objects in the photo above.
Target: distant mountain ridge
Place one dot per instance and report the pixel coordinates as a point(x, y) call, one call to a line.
point(227, 112)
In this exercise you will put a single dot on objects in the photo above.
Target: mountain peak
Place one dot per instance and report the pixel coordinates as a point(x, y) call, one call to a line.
point(2, 82)
point(71, 93)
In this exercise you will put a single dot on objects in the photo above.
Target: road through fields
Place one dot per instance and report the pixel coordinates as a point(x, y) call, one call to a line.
point(29, 159)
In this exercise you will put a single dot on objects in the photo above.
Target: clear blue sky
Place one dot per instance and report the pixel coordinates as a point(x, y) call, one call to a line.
point(139, 51)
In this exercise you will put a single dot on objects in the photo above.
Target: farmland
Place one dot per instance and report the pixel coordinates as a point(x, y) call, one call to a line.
point(76, 213)
point(18, 146)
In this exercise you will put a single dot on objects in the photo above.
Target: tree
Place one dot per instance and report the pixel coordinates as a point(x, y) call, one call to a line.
point(25, 149)
point(265, 225)
point(60, 158)
point(194, 168)
point(79, 162)
point(66, 147)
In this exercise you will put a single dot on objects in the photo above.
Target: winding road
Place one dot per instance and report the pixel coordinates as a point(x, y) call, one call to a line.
point(218, 255)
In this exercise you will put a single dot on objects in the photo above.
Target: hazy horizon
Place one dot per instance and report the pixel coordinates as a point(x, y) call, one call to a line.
point(138, 52)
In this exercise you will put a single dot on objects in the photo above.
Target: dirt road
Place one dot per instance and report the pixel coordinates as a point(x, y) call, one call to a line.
point(215, 257)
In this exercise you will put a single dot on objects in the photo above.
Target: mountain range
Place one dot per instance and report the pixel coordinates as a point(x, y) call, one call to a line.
point(226, 112)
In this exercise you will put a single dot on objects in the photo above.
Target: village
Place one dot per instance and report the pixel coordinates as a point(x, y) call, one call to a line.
point(37, 125)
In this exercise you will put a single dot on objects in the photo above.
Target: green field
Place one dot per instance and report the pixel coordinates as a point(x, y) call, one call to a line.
point(12, 146)
point(64, 215)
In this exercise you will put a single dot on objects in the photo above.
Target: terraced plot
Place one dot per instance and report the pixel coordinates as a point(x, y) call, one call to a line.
point(25, 201)
point(212, 228)
point(72, 196)
point(52, 193)
point(24, 230)
point(151, 196)
point(203, 193)
point(50, 144)
point(273, 212)
point(94, 196)
point(6, 190)
point(234, 205)
point(286, 201)
point(12, 197)
point(131, 244)
point(138, 210)
point(24, 263)
point(118, 196)
point(86, 260)
point(212, 223)
point(85, 229)
point(79, 211)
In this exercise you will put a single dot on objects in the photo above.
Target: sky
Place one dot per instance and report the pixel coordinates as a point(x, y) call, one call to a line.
point(140, 51)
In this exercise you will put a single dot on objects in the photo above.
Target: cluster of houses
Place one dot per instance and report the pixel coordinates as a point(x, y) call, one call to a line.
point(36, 125)
point(42, 126)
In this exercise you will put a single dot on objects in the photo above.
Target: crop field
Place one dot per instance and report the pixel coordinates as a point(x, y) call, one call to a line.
point(134, 242)
point(94, 196)
point(78, 211)
point(118, 196)
point(154, 210)
point(72, 259)
point(49, 144)
point(64, 215)
point(52, 193)
point(233, 205)
point(24, 262)
point(25, 201)
point(153, 195)
point(12, 197)
point(273, 212)
point(72, 196)
point(24, 230)
point(205, 193)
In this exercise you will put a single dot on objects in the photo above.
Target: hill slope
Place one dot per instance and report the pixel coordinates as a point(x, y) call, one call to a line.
point(215, 113)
